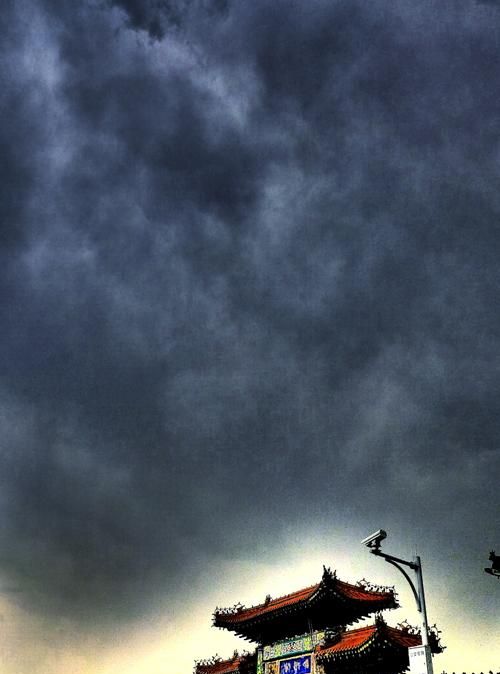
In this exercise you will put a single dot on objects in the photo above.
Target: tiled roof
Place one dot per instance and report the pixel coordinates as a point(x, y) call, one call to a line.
point(358, 639)
point(350, 640)
point(355, 593)
point(361, 594)
point(271, 605)
point(234, 665)
point(402, 638)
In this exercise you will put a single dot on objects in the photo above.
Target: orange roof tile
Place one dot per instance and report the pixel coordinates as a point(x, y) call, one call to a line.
point(231, 666)
point(403, 638)
point(346, 590)
point(360, 593)
point(353, 640)
point(271, 605)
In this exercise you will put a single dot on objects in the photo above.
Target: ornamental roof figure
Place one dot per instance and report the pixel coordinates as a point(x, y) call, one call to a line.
point(329, 603)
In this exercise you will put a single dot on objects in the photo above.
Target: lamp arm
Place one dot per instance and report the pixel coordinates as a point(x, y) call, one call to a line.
point(394, 561)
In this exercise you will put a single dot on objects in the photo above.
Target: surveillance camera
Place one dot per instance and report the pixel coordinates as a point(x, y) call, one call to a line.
point(375, 539)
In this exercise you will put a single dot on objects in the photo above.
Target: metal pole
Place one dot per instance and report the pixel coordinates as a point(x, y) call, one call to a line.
point(423, 610)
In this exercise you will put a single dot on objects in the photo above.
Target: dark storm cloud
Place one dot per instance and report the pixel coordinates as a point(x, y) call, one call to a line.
point(251, 259)
point(156, 17)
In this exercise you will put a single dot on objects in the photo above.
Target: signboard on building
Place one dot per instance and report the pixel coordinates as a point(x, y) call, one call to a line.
point(293, 646)
point(300, 665)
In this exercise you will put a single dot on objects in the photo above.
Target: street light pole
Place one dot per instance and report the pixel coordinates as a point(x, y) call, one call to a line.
point(421, 594)
point(373, 542)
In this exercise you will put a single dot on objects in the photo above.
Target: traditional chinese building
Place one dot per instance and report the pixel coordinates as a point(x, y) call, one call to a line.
point(306, 633)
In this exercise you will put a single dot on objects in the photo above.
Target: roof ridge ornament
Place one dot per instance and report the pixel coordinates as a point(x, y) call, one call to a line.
point(208, 662)
point(328, 574)
point(433, 633)
point(237, 659)
point(407, 628)
point(232, 610)
point(435, 638)
point(333, 635)
point(374, 587)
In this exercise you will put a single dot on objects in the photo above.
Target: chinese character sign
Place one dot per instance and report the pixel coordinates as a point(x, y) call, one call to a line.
point(300, 665)
point(420, 660)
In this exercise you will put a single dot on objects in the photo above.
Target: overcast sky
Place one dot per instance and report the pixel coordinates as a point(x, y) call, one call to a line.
point(249, 310)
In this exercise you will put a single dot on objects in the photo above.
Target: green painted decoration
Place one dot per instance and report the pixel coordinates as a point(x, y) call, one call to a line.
point(292, 646)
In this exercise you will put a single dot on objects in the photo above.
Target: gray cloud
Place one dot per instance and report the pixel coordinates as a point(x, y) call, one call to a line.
point(157, 17)
point(257, 252)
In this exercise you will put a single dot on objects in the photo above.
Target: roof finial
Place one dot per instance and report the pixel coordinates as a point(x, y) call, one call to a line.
point(328, 574)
